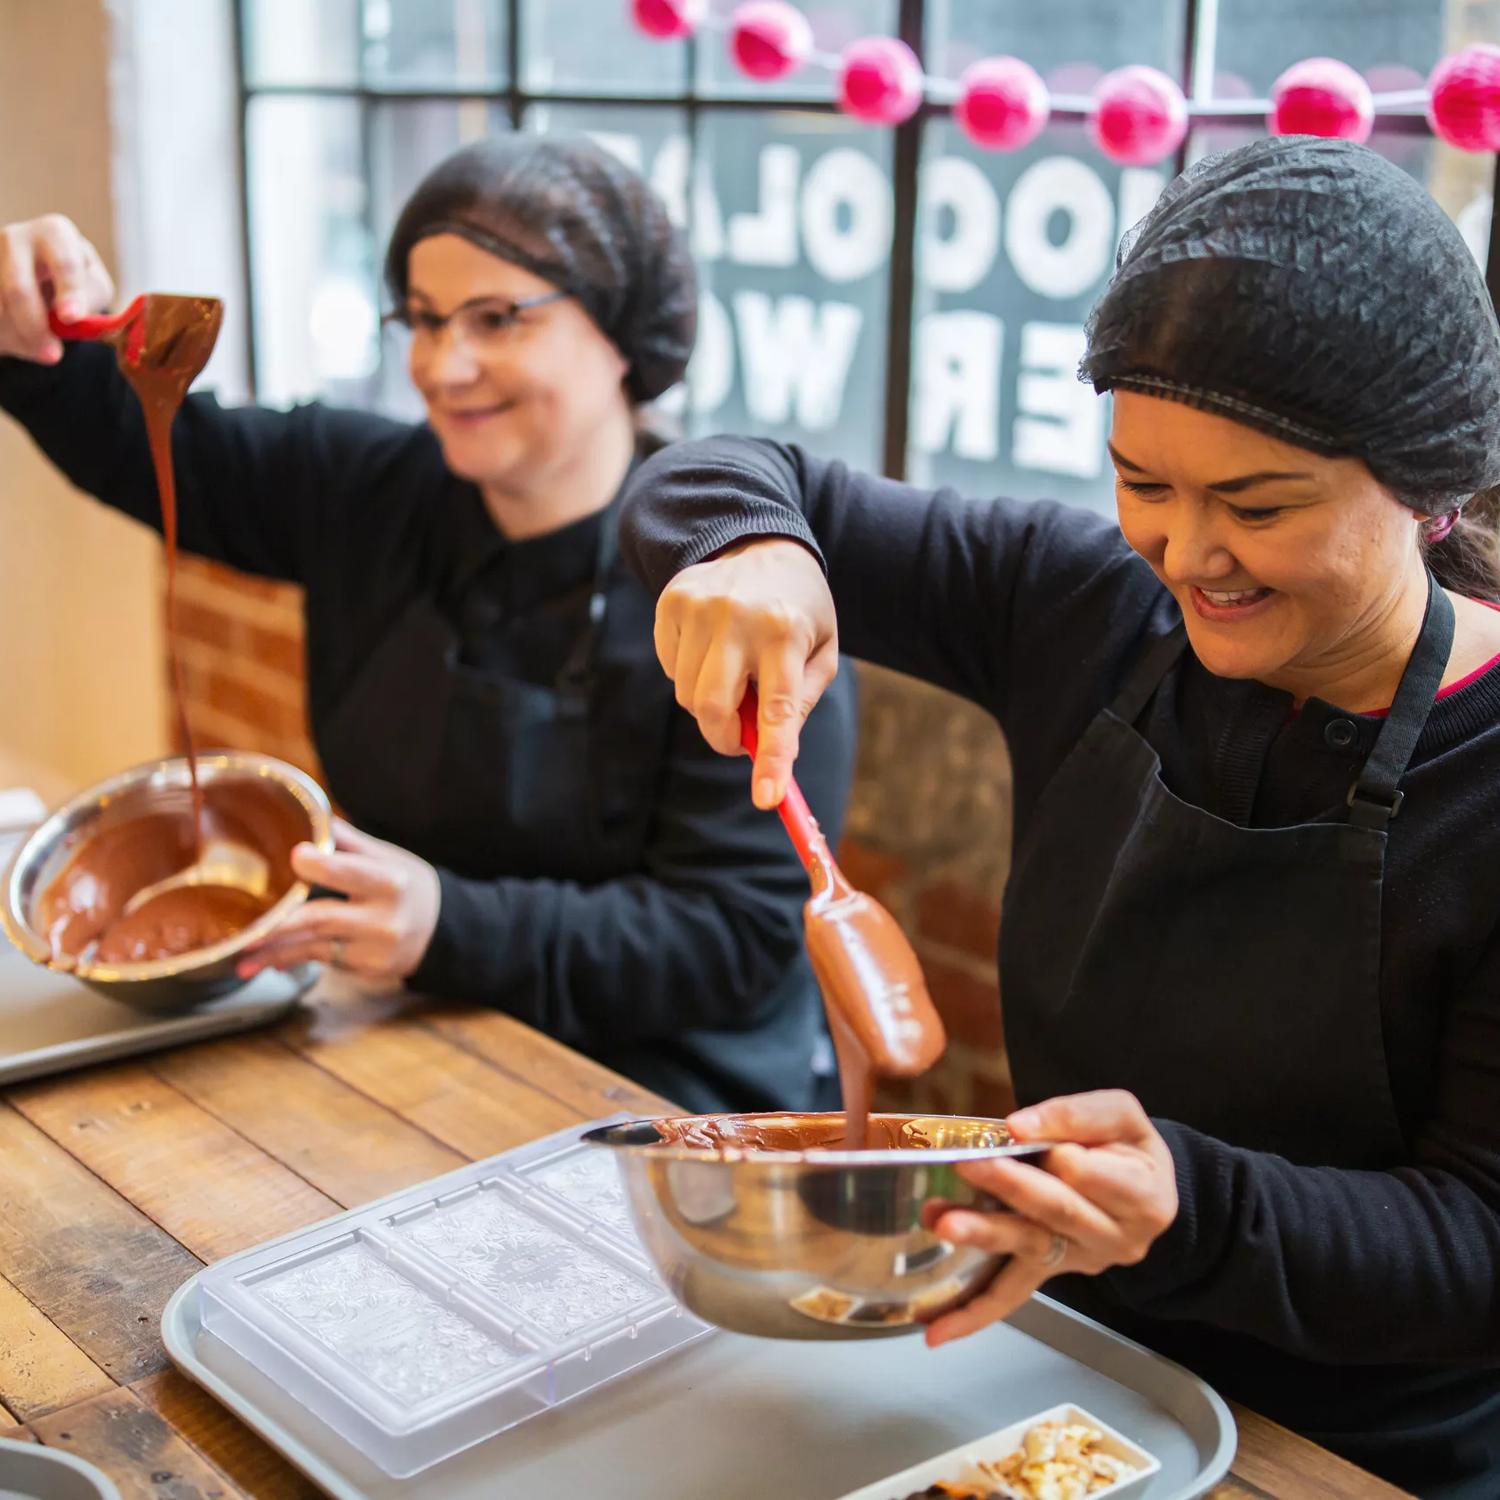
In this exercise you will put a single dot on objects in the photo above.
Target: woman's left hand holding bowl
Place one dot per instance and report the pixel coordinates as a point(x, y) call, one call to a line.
point(381, 929)
point(1100, 1199)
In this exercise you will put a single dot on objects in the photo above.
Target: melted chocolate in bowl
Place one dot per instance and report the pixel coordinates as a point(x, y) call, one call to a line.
point(727, 1134)
point(80, 910)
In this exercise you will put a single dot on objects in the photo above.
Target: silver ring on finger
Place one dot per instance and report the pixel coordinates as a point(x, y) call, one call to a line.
point(336, 956)
point(1055, 1252)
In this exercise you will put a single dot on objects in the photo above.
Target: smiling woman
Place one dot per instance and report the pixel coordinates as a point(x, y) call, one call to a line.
point(540, 827)
point(1249, 953)
point(1293, 568)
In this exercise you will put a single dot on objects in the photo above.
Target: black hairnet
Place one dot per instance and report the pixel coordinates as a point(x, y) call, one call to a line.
point(1310, 289)
point(576, 216)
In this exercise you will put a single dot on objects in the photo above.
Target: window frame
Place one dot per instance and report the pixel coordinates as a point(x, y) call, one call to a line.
point(1199, 26)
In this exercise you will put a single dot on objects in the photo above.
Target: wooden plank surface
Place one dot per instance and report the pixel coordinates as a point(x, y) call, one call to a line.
point(137, 1448)
point(254, 1466)
point(202, 1182)
point(537, 1062)
point(336, 1138)
point(41, 1368)
point(118, 1181)
point(1273, 1461)
point(455, 1097)
point(85, 1257)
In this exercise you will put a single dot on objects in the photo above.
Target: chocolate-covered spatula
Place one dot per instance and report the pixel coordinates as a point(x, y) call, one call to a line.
point(881, 1017)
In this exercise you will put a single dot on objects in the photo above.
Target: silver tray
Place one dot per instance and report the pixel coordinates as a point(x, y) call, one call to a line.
point(50, 1022)
point(732, 1416)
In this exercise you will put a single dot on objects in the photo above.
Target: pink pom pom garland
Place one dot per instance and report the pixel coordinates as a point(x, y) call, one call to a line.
point(768, 39)
point(668, 19)
point(1464, 98)
point(1137, 115)
point(1002, 103)
point(880, 81)
point(1322, 96)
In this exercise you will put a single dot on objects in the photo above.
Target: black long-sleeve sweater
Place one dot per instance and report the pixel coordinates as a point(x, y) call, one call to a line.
point(685, 968)
point(1362, 1307)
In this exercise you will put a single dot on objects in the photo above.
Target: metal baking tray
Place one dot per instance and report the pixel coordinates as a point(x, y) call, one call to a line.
point(50, 1022)
point(728, 1415)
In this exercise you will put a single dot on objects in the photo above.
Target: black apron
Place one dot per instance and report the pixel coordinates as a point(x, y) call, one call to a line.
point(489, 774)
point(1227, 976)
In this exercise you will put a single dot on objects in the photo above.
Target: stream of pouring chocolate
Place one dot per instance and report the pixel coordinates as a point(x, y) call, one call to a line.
point(83, 912)
point(179, 335)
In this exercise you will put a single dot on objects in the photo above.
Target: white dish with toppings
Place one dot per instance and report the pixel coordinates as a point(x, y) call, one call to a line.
point(1063, 1453)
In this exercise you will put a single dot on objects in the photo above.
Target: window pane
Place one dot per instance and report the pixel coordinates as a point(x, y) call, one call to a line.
point(605, 55)
point(313, 264)
point(651, 139)
point(792, 232)
point(835, 23)
point(1012, 250)
point(1394, 43)
point(1463, 183)
point(301, 41)
point(1071, 43)
point(435, 43)
point(408, 139)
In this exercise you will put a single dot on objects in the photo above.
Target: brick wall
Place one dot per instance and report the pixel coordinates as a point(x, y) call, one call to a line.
point(240, 640)
point(928, 831)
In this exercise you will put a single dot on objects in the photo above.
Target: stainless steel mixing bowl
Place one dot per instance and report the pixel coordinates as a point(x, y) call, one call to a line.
point(285, 806)
point(809, 1244)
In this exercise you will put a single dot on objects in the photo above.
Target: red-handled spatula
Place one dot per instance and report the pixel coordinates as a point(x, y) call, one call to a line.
point(882, 1019)
point(161, 334)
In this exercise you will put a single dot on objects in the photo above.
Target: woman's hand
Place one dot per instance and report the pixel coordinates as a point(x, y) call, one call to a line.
point(380, 932)
point(46, 262)
point(760, 613)
point(1101, 1200)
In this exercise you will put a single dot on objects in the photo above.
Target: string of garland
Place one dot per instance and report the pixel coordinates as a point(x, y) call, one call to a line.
point(1136, 115)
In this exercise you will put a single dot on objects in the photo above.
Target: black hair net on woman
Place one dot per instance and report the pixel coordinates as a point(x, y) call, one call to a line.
point(573, 214)
point(1310, 289)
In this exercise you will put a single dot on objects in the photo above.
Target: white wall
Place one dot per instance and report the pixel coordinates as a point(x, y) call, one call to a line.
point(82, 680)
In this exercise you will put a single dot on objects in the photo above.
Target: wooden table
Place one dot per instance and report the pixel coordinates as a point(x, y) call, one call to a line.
point(117, 1183)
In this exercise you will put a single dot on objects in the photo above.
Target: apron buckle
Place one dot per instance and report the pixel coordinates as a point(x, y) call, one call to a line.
point(1379, 804)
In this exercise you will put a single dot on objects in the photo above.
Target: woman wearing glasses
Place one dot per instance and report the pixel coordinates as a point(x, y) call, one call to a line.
point(540, 827)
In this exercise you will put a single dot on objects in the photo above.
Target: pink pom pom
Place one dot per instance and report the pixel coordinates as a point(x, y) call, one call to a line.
point(1464, 102)
point(667, 19)
point(1322, 96)
point(1002, 103)
point(880, 81)
point(1139, 116)
point(769, 38)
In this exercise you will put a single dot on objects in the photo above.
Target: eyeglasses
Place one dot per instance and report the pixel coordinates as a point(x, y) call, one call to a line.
point(480, 325)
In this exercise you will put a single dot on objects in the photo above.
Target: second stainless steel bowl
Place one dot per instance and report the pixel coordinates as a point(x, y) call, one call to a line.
point(285, 807)
point(809, 1244)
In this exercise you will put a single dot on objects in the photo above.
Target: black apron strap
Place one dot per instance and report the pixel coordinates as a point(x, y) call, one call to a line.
point(1146, 675)
point(1375, 798)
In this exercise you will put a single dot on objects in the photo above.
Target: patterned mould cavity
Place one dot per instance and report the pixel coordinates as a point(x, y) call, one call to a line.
point(383, 1325)
point(590, 1180)
point(554, 1281)
point(433, 1319)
